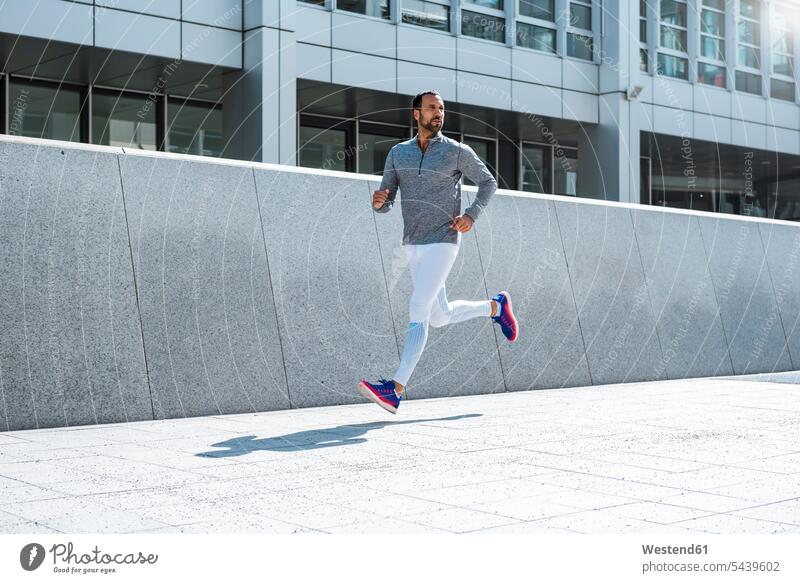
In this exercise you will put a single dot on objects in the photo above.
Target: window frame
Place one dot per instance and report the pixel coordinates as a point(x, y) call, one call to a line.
point(327, 122)
point(724, 38)
point(570, 30)
point(170, 98)
point(84, 113)
point(451, 15)
point(160, 113)
point(791, 32)
point(468, 6)
point(333, 6)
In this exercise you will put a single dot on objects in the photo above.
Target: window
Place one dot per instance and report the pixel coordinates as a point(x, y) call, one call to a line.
point(749, 47)
point(496, 4)
point(565, 171)
point(536, 37)
point(782, 90)
point(541, 9)
point(124, 119)
point(671, 66)
point(317, 2)
point(782, 38)
point(483, 26)
point(374, 143)
point(711, 68)
point(485, 149)
point(643, 54)
point(748, 82)
point(672, 56)
point(378, 8)
point(195, 128)
point(580, 41)
point(535, 168)
point(323, 148)
point(427, 14)
point(45, 110)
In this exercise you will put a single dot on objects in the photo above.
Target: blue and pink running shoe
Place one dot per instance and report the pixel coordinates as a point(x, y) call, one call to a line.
point(505, 317)
point(382, 393)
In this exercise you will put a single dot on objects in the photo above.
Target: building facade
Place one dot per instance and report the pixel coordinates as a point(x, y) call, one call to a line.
point(680, 103)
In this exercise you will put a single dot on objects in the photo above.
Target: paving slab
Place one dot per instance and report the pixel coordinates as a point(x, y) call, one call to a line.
point(672, 456)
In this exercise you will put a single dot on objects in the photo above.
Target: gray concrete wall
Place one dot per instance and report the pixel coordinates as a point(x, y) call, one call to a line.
point(143, 285)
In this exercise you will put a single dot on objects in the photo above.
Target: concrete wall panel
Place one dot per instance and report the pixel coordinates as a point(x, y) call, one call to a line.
point(521, 252)
point(745, 295)
point(675, 267)
point(614, 309)
point(204, 290)
point(331, 300)
point(70, 343)
point(782, 249)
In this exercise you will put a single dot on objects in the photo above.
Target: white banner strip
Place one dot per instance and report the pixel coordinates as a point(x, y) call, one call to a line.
point(399, 558)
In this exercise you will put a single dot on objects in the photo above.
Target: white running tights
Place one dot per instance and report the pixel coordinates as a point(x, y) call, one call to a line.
point(430, 265)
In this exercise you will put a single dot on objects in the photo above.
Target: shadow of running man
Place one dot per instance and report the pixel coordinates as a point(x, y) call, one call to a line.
point(311, 439)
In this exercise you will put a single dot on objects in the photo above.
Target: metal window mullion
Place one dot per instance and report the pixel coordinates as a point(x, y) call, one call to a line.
point(455, 18)
point(394, 11)
point(692, 39)
point(731, 40)
point(766, 55)
point(510, 10)
point(562, 16)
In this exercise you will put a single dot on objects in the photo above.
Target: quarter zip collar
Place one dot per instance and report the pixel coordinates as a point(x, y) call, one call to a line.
point(437, 137)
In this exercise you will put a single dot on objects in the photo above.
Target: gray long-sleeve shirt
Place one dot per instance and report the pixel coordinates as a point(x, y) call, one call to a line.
point(429, 184)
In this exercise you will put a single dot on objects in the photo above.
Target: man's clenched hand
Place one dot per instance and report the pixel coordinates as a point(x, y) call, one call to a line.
point(462, 223)
point(379, 198)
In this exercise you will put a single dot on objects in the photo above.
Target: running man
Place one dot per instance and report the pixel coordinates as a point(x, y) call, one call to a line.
point(427, 169)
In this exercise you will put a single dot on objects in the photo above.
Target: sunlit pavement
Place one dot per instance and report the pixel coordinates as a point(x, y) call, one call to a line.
point(710, 455)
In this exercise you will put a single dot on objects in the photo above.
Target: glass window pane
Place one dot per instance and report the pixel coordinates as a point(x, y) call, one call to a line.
point(712, 48)
point(565, 172)
point(37, 111)
point(536, 37)
point(579, 46)
point(534, 169)
point(749, 32)
point(485, 149)
point(718, 4)
point(325, 149)
point(783, 65)
point(782, 41)
point(124, 120)
point(195, 128)
point(580, 16)
point(782, 90)
point(711, 74)
point(643, 59)
point(543, 9)
point(673, 12)
point(750, 8)
point(497, 4)
point(379, 8)
point(317, 2)
point(373, 150)
point(643, 31)
point(712, 23)
point(672, 66)
point(483, 26)
point(426, 14)
point(673, 38)
point(748, 82)
point(749, 57)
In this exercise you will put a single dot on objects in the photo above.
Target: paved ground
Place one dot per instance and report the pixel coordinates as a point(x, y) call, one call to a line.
point(717, 455)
